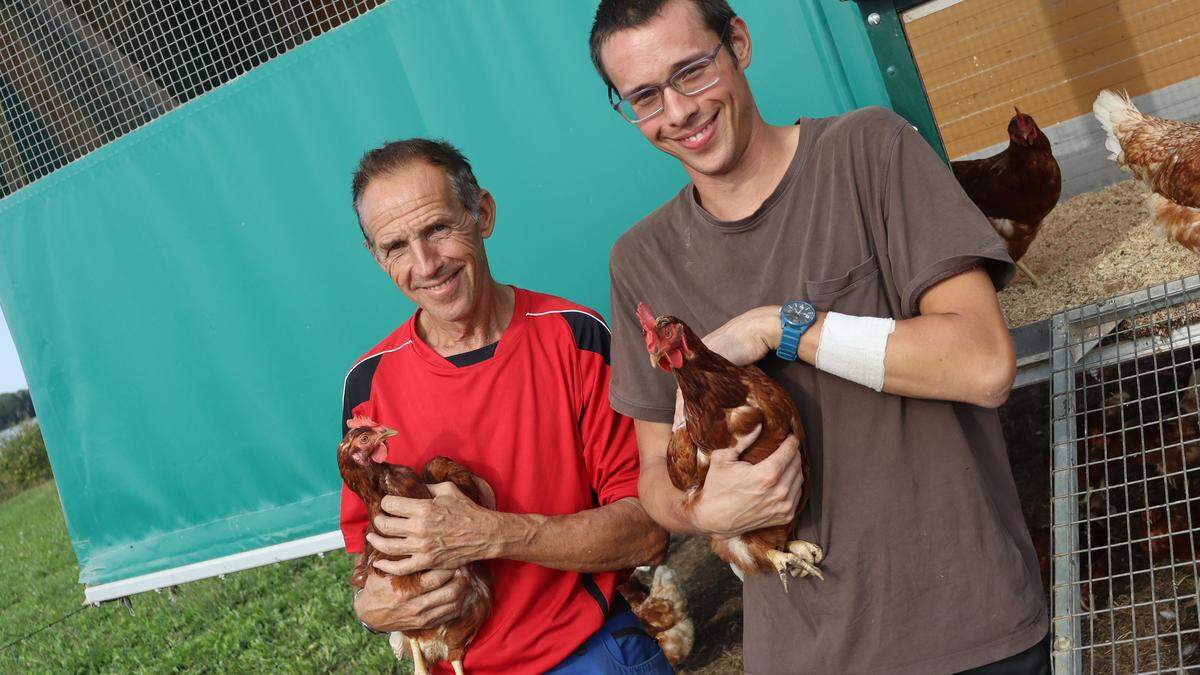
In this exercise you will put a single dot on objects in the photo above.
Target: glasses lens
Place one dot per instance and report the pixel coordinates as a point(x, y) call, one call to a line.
point(696, 77)
point(641, 105)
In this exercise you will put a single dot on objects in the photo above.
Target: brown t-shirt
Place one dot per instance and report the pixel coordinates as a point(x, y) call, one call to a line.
point(928, 563)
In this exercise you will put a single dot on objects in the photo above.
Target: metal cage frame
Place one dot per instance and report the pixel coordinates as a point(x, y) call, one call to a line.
point(1119, 334)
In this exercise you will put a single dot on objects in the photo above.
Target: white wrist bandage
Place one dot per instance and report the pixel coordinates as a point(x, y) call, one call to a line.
point(852, 347)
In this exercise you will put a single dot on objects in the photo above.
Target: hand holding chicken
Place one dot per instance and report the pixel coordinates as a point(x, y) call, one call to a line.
point(362, 457)
point(722, 404)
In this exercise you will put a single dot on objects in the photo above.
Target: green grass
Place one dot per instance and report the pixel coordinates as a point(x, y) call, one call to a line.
point(288, 617)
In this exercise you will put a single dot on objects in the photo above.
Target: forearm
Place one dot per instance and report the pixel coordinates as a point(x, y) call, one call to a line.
point(613, 537)
point(948, 357)
point(945, 355)
point(664, 502)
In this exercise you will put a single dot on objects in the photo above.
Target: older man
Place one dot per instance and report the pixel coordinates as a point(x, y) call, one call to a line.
point(890, 339)
point(514, 385)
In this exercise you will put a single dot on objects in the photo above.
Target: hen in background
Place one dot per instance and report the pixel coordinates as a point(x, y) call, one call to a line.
point(659, 603)
point(1017, 188)
point(1165, 155)
point(362, 460)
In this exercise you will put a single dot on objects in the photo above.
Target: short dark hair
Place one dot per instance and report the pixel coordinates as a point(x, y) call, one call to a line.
point(395, 155)
point(617, 15)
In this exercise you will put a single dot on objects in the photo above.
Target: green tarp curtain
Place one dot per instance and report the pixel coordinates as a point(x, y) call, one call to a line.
point(186, 300)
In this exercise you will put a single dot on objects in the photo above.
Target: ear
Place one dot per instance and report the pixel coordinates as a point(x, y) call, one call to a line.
point(739, 41)
point(487, 214)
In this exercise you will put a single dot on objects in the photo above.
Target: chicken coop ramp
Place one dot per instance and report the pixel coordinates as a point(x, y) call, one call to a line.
point(1125, 482)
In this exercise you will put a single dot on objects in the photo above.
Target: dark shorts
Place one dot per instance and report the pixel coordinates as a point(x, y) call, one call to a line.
point(1032, 661)
point(621, 646)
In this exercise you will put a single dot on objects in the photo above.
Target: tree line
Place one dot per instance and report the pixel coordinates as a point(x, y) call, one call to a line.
point(15, 406)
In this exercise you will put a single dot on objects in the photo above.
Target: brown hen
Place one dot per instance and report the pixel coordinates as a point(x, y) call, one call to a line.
point(721, 403)
point(361, 460)
point(659, 603)
point(1165, 155)
point(1016, 188)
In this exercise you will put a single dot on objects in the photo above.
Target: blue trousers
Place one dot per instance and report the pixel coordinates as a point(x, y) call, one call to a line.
point(621, 646)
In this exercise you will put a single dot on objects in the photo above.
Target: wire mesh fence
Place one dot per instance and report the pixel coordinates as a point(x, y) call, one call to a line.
point(1125, 476)
point(76, 74)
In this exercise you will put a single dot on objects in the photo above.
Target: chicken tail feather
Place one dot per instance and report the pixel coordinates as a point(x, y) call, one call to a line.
point(1114, 111)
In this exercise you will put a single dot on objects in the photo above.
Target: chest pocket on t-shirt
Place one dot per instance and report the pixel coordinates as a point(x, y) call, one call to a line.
point(855, 292)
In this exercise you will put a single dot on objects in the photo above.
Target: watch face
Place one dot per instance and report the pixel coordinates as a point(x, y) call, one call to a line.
point(799, 312)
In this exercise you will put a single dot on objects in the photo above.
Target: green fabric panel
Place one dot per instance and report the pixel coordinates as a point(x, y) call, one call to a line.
point(187, 299)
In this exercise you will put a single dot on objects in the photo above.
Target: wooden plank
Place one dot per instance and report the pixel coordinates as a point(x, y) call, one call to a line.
point(1019, 21)
point(968, 16)
point(1037, 50)
point(1060, 103)
point(1059, 67)
point(1051, 57)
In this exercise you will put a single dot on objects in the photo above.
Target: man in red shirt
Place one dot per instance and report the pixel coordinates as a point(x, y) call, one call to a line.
point(514, 385)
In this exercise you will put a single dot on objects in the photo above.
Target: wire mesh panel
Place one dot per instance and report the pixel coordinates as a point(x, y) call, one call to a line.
point(1125, 477)
point(76, 74)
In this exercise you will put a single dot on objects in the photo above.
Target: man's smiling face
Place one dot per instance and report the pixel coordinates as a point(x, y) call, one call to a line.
point(426, 241)
point(708, 131)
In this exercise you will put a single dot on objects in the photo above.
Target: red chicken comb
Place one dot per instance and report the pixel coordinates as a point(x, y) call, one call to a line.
point(645, 317)
point(360, 421)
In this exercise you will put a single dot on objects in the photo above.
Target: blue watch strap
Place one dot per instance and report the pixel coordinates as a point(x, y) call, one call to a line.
point(789, 339)
point(789, 343)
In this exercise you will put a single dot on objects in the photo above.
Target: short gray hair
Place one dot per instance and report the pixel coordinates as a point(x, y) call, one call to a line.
point(395, 155)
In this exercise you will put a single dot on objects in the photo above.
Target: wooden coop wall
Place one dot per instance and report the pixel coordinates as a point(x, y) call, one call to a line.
point(977, 58)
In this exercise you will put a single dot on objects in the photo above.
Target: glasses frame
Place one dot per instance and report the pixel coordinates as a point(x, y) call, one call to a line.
point(670, 82)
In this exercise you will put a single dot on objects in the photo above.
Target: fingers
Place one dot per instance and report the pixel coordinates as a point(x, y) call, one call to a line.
point(783, 455)
point(446, 489)
point(441, 604)
point(486, 494)
point(410, 565)
point(726, 455)
point(425, 610)
point(403, 506)
point(795, 489)
point(390, 526)
point(435, 579)
point(395, 545)
point(744, 442)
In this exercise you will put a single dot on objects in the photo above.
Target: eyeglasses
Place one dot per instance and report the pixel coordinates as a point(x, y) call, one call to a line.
point(689, 80)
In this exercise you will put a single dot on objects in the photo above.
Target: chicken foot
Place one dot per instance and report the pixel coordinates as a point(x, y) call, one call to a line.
point(800, 560)
point(1029, 273)
point(418, 658)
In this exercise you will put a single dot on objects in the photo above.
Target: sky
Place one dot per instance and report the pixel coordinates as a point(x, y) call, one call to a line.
point(12, 377)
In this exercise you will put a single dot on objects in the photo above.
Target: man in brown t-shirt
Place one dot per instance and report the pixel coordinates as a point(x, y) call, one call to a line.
point(928, 564)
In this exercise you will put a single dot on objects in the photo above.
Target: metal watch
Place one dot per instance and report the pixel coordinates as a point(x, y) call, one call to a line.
point(796, 316)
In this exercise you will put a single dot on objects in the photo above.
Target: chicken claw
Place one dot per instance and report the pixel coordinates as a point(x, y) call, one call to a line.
point(810, 556)
point(799, 561)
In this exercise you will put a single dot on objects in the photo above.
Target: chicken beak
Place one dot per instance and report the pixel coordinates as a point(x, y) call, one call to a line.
point(388, 433)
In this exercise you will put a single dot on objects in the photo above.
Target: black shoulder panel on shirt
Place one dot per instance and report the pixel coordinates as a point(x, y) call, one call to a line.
point(358, 387)
point(590, 333)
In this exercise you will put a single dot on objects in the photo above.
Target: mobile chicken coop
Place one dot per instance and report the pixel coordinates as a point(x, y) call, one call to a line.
point(183, 280)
